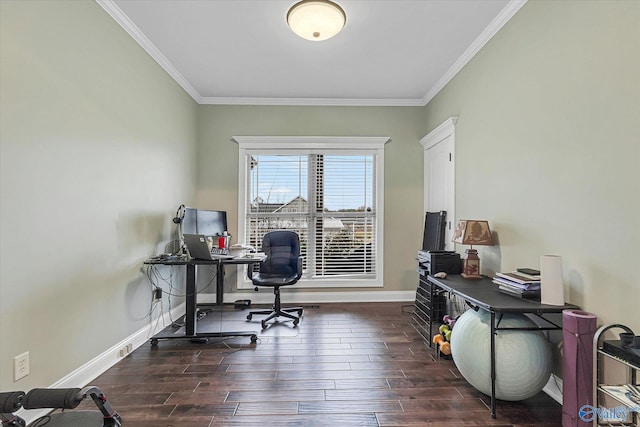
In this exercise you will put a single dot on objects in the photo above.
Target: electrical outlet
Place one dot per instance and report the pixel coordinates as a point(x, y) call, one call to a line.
point(157, 294)
point(20, 366)
point(125, 350)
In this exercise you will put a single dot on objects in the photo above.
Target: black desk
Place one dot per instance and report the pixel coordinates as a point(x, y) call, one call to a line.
point(192, 297)
point(484, 294)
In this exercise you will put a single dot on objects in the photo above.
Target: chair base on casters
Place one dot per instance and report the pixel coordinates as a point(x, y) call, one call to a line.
point(278, 311)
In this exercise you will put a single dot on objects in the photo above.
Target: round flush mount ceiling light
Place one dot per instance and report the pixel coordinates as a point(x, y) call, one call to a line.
point(316, 20)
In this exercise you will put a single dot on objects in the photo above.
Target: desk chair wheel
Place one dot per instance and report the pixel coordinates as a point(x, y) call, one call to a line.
point(249, 316)
point(264, 324)
point(295, 322)
point(254, 339)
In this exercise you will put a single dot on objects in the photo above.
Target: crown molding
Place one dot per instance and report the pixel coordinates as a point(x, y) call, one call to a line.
point(329, 102)
point(498, 22)
point(123, 20)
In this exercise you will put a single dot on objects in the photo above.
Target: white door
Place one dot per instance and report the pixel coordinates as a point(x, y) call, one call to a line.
point(439, 175)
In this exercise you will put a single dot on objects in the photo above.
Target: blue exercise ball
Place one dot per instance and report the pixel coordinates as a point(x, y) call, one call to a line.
point(523, 358)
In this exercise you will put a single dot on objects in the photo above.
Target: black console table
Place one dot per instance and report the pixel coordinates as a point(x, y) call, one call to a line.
point(483, 294)
point(191, 296)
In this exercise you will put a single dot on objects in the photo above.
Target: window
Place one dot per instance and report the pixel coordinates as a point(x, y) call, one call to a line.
point(328, 190)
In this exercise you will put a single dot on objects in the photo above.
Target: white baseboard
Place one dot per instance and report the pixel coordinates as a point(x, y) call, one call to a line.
point(554, 388)
point(98, 365)
point(265, 296)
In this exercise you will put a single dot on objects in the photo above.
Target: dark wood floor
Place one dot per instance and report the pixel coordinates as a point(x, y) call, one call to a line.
point(344, 365)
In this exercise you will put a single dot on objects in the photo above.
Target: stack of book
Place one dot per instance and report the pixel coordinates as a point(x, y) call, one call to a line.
point(522, 283)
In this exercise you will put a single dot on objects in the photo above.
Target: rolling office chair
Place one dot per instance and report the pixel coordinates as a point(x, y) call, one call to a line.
point(282, 267)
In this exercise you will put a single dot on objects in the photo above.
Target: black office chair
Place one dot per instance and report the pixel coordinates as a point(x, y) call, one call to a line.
point(282, 267)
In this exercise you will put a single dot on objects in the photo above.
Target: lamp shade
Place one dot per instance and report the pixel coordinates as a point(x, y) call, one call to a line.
point(316, 20)
point(473, 232)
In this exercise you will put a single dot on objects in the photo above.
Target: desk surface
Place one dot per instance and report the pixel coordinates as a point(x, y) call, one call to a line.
point(485, 294)
point(193, 261)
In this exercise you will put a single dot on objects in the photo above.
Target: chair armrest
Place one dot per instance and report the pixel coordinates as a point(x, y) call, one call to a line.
point(300, 262)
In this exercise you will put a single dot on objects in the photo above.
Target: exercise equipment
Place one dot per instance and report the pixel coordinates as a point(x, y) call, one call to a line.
point(523, 358)
point(578, 330)
point(58, 398)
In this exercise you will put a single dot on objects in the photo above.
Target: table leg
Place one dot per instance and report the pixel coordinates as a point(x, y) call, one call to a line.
point(220, 283)
point(493, 364)
point(190, 315)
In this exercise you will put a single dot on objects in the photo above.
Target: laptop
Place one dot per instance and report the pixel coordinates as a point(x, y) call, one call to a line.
point(200, 248)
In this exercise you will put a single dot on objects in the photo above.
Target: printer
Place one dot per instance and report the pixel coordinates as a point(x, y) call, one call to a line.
point(432, 262)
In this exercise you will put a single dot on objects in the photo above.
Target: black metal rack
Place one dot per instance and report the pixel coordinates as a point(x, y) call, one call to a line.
point(629, 359)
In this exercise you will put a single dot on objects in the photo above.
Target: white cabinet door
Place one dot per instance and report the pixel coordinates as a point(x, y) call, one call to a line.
point(439, 175)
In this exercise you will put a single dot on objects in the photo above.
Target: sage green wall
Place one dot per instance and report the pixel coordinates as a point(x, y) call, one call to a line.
point(403, 210)
point(97, 149)
point(98, 146)
point(547, 147)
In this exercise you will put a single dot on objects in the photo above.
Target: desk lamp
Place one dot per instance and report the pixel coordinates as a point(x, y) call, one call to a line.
point(472, 232)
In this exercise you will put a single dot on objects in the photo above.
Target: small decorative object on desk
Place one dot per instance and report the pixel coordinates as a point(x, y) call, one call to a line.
point(472, 232)
point(551, 280)
point(219, 244)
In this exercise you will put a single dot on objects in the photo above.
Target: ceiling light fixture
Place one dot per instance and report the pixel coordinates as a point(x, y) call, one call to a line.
point(316, 20)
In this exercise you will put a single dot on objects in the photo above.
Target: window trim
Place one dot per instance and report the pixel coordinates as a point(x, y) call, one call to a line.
point(317, 145)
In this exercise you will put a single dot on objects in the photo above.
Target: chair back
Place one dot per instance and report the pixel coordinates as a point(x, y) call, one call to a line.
point(282, 249)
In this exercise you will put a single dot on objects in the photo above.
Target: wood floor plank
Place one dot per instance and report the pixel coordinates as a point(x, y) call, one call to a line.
point(344, 365)
point(275, 395)
point(267, 408)
point(347, 358)
point(335, 375)
point(198, 397)
point(349, 407)
point(312, 420)
point(394, 394)
point(265, 385)
point(362, 383)
point(338, 366)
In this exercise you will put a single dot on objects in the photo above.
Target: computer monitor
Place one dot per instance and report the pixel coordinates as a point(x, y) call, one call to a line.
point(189, 221)
point(212, 223)
point(434, 230)
point(205, 222)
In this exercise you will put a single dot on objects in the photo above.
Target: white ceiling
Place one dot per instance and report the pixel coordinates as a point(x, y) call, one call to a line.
point(390, 52)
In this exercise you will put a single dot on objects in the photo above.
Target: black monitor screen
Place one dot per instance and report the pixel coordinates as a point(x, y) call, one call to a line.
point(211, 223)
point(434, 230)
point(208, 223)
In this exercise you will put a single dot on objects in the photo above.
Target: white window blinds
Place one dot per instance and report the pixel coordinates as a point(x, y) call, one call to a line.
point(329, 200)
